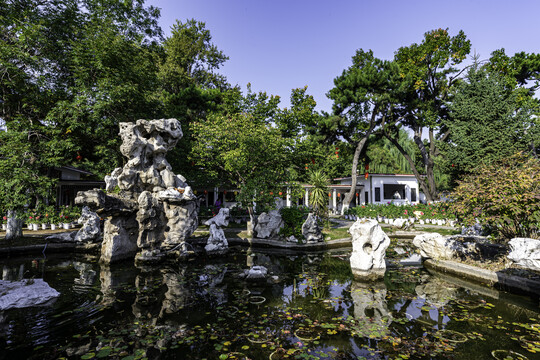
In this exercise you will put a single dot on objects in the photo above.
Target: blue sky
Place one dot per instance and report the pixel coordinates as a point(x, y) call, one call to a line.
point(279, 45)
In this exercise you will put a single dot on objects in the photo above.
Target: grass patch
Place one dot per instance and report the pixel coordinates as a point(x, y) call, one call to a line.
point(335, 233)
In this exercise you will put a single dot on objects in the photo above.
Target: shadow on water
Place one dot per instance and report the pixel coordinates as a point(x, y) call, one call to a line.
point(308, 307)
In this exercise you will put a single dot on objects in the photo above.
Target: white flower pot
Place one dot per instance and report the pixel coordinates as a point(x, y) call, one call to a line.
point(65, 226)
point(35, 227)
point(421, 221)
point(53, 226)
point(4, 227)
point(44, 226)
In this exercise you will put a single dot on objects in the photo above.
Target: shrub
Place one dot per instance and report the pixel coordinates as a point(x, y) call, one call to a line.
point(293, 217)
point(504, 195)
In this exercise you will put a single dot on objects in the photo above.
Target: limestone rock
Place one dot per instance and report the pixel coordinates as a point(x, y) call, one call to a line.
point(268, 225)
point(311, 230)
point(438, 247)
point(369, 244)
point(292, 239)
point(221, 219)
point(119, 239)
point(154, 206)
point(525, 252)
point(400, 222)
point(62, 237)
point(111, 181)
point(91, 229)
point(25, 293)
point(257, 272)
point(433, 245)
point(217, 241)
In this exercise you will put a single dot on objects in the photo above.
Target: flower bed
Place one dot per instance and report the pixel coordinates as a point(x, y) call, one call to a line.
point(436, 214)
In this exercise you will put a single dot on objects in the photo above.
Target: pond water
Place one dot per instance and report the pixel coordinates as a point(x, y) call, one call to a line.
point(309, 308)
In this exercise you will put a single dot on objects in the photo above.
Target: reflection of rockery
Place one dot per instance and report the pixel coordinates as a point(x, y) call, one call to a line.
point(369, 244)
point(372, 317)
point(149, 209)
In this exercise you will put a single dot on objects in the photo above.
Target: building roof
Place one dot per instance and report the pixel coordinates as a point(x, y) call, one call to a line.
point(74, 169)
point(375, 174)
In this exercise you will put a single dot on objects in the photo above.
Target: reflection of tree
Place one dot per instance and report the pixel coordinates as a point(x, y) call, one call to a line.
point(371, 314)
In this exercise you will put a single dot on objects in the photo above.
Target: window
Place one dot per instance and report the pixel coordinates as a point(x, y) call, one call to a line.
point(391, 189)
point(413, 194)
point(377, 194)
point(366, 197)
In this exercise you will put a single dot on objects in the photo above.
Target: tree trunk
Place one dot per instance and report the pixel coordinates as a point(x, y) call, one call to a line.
point(251, 223)
point(421, 181)
point(349, 196)
point(357, 152)
point(14, 226)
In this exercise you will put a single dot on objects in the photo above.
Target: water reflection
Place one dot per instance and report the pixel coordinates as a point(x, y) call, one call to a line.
point(370, 309)
point(202, 309)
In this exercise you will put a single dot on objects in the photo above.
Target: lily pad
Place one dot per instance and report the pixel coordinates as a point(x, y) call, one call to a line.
point(507, 355)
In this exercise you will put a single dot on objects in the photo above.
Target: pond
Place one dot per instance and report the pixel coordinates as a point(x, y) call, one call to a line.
point(308, 308)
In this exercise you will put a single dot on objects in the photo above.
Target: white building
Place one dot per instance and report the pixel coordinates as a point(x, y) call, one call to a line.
point(375, 189)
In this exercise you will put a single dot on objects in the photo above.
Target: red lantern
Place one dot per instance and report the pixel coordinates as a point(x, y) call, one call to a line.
point(367, 166)
point(366, 175)
point(338, 194)
point(329, 194)
point(312, 160)
point(280, 193)
point(271, 193)
point(356, 194)
point(337, 152)
point(205, 192)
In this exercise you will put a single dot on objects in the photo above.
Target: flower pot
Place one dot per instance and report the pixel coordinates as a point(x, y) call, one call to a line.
point(44, 226)
point(53, 226)
point(4, 227)
point(35, 227)
point(65, 226)
point(421, 221)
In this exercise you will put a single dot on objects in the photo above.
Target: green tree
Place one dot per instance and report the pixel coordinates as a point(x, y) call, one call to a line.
point(363, 98)
point(428, 72)
point(318, 194)
point(504, 195)
point(244, 151)
point(488, 121)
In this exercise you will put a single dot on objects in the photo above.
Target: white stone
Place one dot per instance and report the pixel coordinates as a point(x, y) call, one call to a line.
point(217, 240)
point(25, 293)
point(91, 229)
point(221, 219)
point(111, 181)
point(369, 244)
point(268, 225)
point(400, 222)
point(256, 272)
point(152, 195)
point(292, 239)
point(525, 252)
point(438, 247)
point(433, 245)
point(311, 230)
